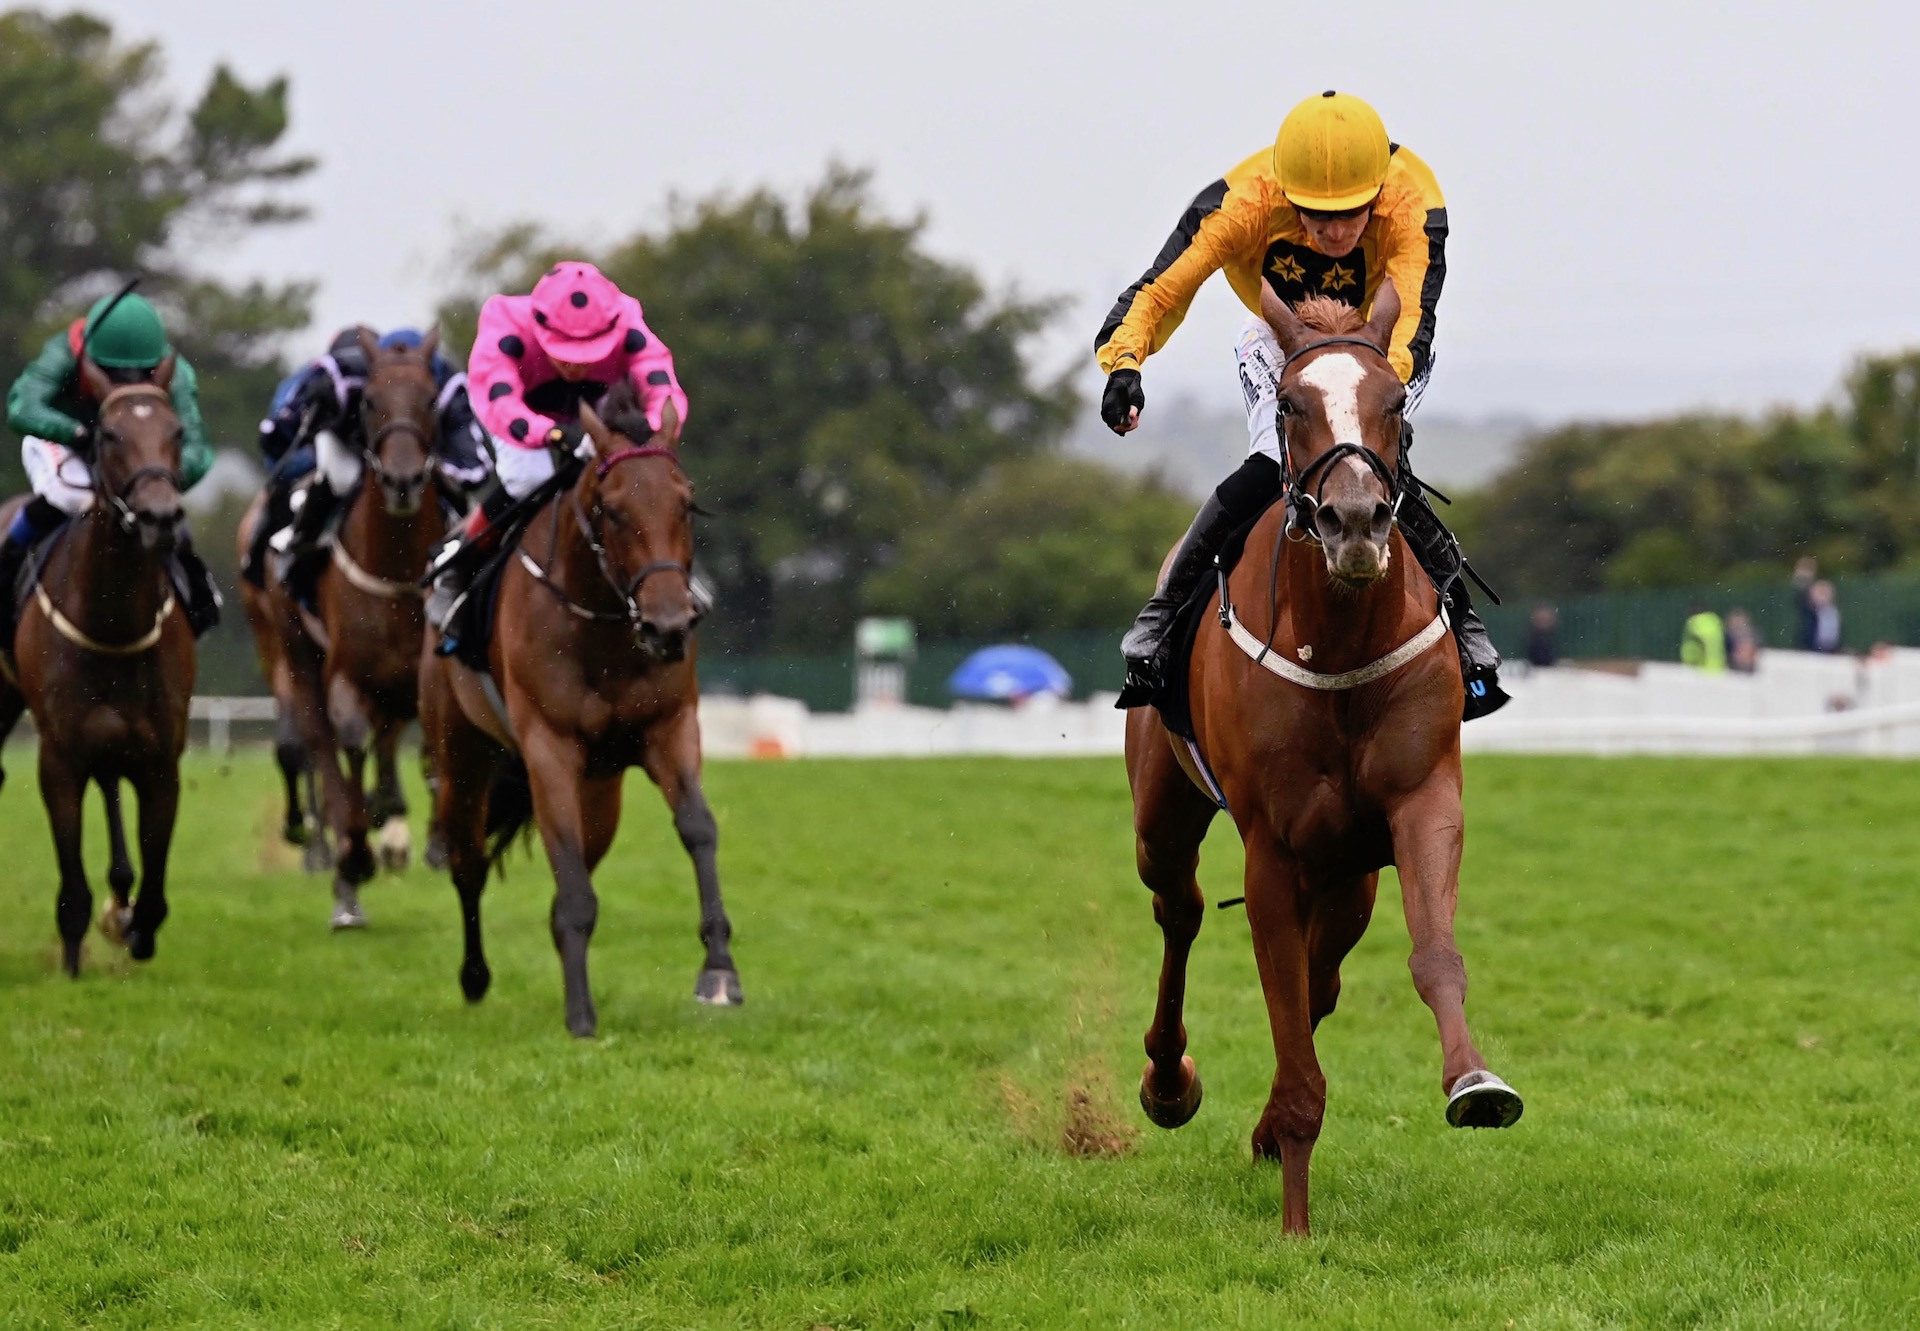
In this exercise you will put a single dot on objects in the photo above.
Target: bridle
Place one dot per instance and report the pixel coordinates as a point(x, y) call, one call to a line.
point(1303, 493)
point(370, 454)
point(114, 501)
point(591, 529)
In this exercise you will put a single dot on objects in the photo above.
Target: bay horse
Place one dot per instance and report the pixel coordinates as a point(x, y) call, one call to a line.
point(1329, 773)
point(352, 663)
point(301, 824)
point(591, 672)
point(104, 658)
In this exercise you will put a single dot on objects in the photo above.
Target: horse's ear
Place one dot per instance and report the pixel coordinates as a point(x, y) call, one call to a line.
point(94, 379)
point(430, 343)
point(163, 372)
point(369, 344)
point(1286, 325)
point(603, 440)
point(668, 434)
point(1386, 313)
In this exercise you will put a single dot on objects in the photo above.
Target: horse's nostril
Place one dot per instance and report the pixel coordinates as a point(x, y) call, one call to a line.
point(1326, 522)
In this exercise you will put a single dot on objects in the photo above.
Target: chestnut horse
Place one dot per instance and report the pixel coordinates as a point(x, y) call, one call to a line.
point(591, 671)
point(1329, 773)
point(105, 660)
point(352, 665)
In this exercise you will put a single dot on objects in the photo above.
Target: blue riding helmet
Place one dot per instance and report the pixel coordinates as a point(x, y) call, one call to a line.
point(402, 339)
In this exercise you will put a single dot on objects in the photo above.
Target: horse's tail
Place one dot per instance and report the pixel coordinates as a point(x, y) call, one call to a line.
point(509, 809)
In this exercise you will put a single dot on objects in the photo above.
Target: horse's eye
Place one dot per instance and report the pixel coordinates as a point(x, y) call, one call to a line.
point(1286, 407)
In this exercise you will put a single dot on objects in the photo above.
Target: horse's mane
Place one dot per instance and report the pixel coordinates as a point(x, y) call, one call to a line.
point(623, 413)
point(1324, 314)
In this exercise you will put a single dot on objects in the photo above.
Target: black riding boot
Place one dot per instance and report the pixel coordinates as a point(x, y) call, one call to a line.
point(1238, 500)
point(1439, 554)
point(202, 593)
point(36, 518)
point(276, 514)
point(305, 554)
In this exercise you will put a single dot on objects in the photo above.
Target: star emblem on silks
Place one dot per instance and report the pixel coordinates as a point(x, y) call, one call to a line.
point(1287, 268)
point(1337, 278)
point(1306, 653)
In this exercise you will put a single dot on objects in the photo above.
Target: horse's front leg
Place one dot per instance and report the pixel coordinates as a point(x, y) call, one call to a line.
point(556, 767)
point(1170, 819)
point(117, 914)
point(1276, 886)
point(350, 720)
point(672, 759)
point(62, 790)
point(291, 755)
point(1427, 836)
point(158, 790)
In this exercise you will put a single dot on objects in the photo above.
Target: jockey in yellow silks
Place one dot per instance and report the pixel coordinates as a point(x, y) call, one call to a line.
point(1332, 209)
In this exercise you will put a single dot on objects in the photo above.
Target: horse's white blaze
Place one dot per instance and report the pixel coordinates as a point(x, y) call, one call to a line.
point(1336, 376)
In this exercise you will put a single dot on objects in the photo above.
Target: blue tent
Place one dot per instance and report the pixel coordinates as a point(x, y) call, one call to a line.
point(1008, 672)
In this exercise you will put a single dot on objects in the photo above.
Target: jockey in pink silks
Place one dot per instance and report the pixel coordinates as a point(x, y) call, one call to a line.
point(535, 359)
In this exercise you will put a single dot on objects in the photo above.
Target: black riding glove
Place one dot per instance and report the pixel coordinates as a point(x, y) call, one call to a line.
point(1123, 396)
point(565, 438)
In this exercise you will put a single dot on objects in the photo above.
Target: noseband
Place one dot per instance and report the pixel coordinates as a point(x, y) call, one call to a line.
point(1303, 493)
point(115, 500)
point(370, 454)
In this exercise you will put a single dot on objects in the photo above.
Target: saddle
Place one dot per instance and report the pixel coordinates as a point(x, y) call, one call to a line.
point(468, 631)
point(1173, 702)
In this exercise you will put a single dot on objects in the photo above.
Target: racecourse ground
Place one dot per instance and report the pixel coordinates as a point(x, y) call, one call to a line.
point(1704, 976)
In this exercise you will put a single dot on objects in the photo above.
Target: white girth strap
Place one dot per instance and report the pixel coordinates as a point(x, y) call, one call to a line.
point(368, 583)
point(78, 636)
point(1350, 679)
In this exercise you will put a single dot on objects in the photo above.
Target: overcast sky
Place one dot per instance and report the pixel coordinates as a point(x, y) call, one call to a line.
point(1654, 206)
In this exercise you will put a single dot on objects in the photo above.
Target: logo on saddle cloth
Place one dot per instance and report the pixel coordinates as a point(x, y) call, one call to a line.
point(1296, 272)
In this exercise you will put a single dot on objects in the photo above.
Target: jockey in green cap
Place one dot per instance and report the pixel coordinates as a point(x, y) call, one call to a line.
point(56, 416)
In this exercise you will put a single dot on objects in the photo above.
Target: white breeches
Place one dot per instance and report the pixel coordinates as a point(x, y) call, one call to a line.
point(338, 462)
point(1258, 360)
point(519, 468)
point(58, 474)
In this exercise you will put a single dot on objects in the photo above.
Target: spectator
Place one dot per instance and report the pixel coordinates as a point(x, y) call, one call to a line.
point(1826, 617)
point(1743, 643)
point(1542, 625)
point(1805, 573)
point(1703, 644)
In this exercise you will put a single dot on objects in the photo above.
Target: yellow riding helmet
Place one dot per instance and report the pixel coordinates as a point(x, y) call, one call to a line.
point(1331, 154)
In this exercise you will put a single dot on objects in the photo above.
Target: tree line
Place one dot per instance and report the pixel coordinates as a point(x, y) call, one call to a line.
point(868, 424)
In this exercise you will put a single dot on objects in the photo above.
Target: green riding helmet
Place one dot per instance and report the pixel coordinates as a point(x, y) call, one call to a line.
point(129, 336)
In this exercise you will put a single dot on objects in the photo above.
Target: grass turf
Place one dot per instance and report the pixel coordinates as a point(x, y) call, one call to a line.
point(1702, 975)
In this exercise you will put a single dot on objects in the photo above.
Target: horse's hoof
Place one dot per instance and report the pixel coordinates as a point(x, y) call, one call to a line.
point(717, 988)
point(348, 917)
point(115, 921)
point(395, 845)
point(1178, 1110)
point(474, 982)
point(318, 859)
point(584, 1025)
point(140, 945)
point(436, 856)
point(294, 834)
point(1482, 1100)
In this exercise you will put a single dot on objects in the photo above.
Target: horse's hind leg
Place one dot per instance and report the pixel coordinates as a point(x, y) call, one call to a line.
point(1170, 819)
point(387, 807)
point(291, 755)
point(673, 761)
point(563, 802)
point(1297, 1104)
point(117, 914)
point(62, 790)
point(1427, 837)
point(1339, 916)
point(460, 812)
point(158, 790)
point(12, 704)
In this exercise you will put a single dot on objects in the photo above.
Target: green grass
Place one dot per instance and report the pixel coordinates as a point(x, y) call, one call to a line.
point(1704, 976)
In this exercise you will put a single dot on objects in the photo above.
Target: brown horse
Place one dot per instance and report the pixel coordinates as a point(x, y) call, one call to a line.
point(105, 660)
point(301, 824)
point(1331, 773)
point(352, 665)
point(591, 671)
